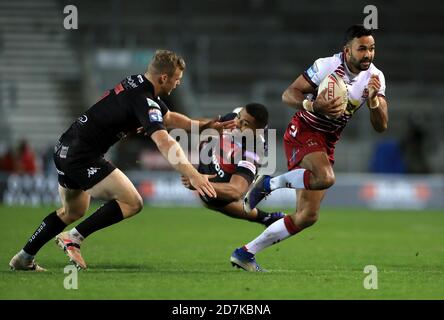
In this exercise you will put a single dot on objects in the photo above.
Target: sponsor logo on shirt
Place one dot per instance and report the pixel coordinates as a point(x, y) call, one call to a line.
point(92, 171)
point(63, 152)
point(216, 164)
point(312, 70)
point(83, 119)
point(130, 81)
point(155, 115)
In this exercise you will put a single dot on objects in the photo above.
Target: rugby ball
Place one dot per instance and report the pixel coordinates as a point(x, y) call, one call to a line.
point(336, 87)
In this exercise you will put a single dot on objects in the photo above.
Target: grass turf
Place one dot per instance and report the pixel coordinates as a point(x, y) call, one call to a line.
point(183, 253)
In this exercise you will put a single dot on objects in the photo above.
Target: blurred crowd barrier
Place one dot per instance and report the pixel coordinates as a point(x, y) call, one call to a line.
point(377, 191)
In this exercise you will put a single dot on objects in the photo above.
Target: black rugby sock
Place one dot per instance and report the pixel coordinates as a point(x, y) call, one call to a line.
point(108, 214)
point(51, 226)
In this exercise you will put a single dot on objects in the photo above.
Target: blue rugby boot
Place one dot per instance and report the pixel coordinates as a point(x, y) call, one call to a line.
point(259, 189)
point(243, 259)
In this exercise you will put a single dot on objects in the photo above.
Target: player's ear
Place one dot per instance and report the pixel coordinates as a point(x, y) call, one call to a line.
point(347, 49)
point(163, 78)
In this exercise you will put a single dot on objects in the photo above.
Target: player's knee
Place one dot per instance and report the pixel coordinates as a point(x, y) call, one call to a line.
point(325, 181)
point(135, 205)
point(71, 214)
point(329, 180)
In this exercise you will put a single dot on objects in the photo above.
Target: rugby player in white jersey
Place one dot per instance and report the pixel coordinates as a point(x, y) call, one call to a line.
point(311, 136)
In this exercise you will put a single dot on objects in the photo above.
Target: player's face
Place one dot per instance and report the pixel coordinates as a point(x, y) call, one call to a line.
point(246, 121)
point(172, 82)
point(360, 53)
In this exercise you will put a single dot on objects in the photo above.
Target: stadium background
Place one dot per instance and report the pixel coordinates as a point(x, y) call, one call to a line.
point(236, 52)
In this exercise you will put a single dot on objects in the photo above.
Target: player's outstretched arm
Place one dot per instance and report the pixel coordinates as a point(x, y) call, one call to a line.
point(178, 120)
point(377, 105)
point(174, 154)
point(233, 190)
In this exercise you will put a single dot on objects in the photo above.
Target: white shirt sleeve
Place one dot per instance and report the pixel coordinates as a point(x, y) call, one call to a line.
point(321, 68)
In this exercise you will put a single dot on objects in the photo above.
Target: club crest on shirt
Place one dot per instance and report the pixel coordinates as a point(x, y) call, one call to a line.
point(365, 93)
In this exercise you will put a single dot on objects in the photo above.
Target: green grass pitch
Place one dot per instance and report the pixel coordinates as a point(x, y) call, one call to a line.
point(183, 253)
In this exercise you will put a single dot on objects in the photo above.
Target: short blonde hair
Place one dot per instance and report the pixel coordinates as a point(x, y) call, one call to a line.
point(165, 61)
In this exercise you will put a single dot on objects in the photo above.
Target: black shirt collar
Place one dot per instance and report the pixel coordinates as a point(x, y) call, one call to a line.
point(149, 86)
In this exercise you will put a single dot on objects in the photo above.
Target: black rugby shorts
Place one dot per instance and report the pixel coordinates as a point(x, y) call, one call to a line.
point(79, 166)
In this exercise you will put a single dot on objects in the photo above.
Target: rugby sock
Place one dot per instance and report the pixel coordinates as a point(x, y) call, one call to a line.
point(107, 215)
point(25, 256)
point(276, 232)
point(74, 233)
point(295, 179)
point(51, 226)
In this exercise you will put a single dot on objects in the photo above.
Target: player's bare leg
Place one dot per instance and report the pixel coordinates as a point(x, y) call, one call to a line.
point(322, 175)
point(308, 205)
point(315, 173)
point(308, 202)
point(236, 210)
point(123, 202)
point(306, 214)
point(117, 186)
point(75, 203)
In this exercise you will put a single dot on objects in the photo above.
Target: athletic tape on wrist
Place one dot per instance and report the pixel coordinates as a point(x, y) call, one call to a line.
point(375, 106)
point(308, 105)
